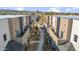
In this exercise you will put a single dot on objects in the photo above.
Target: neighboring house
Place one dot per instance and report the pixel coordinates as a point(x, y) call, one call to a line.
point(4, 33)
point(33, 19)
point(61, 29)
point(65, 27)
point(56, 25)
point(72, 34)
point(19, 29)
point(75, 33)
point(13, 27)
point(64, 32)
point(61, 34)
point(53, 22)
point(42, 18)
point(49, 19)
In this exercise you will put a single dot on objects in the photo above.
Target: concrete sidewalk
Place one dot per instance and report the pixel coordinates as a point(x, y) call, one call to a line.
point(66, 47)
point(41, 42)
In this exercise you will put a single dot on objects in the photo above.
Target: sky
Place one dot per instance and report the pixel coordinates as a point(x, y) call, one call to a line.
point(43, 9)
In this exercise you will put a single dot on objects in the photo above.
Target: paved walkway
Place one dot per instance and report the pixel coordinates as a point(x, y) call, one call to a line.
point(41, 42)
point(53, 39)
point(66, 47)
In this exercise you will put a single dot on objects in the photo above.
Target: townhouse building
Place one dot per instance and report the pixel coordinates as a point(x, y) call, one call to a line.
point(51, 25)
point(75, 33)
point(33, 18)
point(4, 33)
point(13, 28)
point(60, 30)
point(72, 35)
point(19, 28)
point(64, 29)
point(49, 19)
point(64, 32)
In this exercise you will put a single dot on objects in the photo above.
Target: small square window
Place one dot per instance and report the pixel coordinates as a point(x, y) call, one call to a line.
point(61, 34)
point(5, 37)
point(75, 38)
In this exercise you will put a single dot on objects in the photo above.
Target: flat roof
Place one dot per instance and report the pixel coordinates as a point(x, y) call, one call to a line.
point(10, 16)
point(70, 17)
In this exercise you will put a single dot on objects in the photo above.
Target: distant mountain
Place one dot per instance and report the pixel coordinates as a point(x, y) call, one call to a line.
point(4, 12)
point(61, 13)
point(16, 12)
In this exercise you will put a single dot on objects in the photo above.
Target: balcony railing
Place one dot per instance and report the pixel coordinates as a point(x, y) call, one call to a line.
point(56, 38)
point(23, 39)
point(25, 29)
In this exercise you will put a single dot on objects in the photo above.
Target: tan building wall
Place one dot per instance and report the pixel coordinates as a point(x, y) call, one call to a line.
point(14, 25)
point(46, 19)
point(50, 20)
point(43, 18)
point(55, 24)
point(65, 25)
point(65, 28)
point(27, 20)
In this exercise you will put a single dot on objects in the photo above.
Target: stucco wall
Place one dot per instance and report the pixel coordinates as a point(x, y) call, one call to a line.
point(50, 21)
point(14, 26)
point(24, 38)
point(75, 30)
point(53, 22)
point(65, 27)
point(4, 29)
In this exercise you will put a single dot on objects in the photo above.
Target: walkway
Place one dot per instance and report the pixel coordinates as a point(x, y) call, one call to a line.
point(41, 42)
point(52, 38)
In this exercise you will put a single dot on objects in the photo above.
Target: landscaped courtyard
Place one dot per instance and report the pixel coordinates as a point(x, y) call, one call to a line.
point(34, 39)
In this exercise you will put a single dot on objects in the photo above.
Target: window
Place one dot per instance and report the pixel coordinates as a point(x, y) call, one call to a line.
point(17, 33)
point(21, 25)
point(75, 37)
point(5, 37)
point(61, 34)
point(37, 20)
point(48, 20)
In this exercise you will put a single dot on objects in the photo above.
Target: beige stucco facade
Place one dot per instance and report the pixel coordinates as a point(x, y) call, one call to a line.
point(60, 24)
point(49, 19)
point(14, 25)
point(65, 27)
point(75, 31)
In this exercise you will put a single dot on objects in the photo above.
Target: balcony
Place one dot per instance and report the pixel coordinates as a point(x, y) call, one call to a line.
point(24, 37)
point(34, 40)
point(25, 29)
point(54, 36)
point(66, 47)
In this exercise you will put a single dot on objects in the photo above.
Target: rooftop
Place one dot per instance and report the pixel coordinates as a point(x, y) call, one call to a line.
point(70, 17)
point(10, 16)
